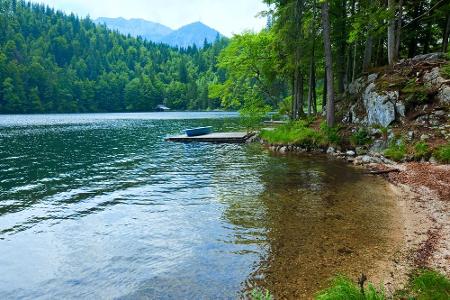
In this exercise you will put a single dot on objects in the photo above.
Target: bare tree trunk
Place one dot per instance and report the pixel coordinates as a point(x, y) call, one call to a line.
point(399, 31)
point(325, 89)
point(328, 63)
point(312, 84)
point(301, 98)
point(446, 34)
point(367, 54)
point(391, 33)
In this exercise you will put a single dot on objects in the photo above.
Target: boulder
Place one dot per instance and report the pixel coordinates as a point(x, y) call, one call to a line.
point(434, 80)
point(380, 107)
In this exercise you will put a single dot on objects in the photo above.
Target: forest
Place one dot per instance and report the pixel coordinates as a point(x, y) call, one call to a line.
point(301, 63)
point(312, 50)
point(51, 62)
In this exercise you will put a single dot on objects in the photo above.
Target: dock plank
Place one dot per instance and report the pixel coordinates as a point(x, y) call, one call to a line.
point(216, 137)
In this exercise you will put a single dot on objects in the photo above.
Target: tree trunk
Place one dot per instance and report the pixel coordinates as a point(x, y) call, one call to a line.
point(342, 45)
point(312, 84)
point(427, 40)
point(367, 54)
point(294, 97)
point(328, 63)
point(398, 33)
point(412, 47)
point(446, 34)
point(391, 33)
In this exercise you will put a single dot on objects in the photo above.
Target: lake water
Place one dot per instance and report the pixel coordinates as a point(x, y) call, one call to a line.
point(99, 206)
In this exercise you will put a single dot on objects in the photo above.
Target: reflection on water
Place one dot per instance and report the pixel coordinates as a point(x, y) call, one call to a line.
point(99, 206)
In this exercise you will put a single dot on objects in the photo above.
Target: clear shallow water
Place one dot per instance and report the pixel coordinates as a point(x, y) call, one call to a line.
point(100, 206)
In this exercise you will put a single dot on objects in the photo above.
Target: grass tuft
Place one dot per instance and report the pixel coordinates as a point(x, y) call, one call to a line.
point(344, 288)
point(442, 154)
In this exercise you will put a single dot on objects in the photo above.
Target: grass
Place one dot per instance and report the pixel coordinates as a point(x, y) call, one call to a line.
point(343, 288)
point(396, 150)
point(445, 71)
point(300, 133)
point(424, 285)
point(442, 154)
point(258, 294)
point(415, 94)
point(421, 150)
point(360, 138)
point(293, 133)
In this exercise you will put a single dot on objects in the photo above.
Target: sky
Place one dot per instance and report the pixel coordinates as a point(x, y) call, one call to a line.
point(226, 16)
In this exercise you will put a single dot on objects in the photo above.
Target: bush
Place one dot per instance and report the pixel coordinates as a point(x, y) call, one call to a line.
point(344, 288)
point(396, 151)
point(442, 154)
point(360, 138)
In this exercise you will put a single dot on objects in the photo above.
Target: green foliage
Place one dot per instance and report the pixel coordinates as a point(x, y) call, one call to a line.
point(430, 285)
point(396, 150)
point(330, 134)
point(343, 288)
point(421, 150)
point(297, 133)
point(442, 154)
point(445, 71)
point(258, 294)
point(52, 62)
point(253, 113)
point(360, 137)
point(249, 62)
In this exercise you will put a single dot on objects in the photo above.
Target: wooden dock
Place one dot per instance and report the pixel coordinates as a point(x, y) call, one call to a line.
point(216, 137)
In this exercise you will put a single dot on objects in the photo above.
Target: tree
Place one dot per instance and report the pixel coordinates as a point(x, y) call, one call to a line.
point(328, 63)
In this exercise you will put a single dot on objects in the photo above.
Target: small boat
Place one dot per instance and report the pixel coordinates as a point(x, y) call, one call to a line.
point(198, 131)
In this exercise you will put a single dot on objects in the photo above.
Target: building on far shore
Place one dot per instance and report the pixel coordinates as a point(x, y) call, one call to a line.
point(162, 108)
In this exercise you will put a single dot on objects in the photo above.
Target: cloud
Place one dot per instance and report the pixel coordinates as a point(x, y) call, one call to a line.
point(227, 16)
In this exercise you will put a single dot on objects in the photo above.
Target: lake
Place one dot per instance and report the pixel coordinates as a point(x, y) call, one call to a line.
point(99, 206)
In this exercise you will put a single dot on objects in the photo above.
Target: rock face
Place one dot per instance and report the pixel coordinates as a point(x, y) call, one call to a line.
point(433, 79)
point(380, 107)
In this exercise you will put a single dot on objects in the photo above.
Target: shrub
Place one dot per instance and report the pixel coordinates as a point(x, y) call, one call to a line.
point(360, 138)
point(422, 150)
point(396, 150)
point(344, 288)
point(442, 154)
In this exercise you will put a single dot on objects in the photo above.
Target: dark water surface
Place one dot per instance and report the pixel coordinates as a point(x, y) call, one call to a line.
point(100, 206)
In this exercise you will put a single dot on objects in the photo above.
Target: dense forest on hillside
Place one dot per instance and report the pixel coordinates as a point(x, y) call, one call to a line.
point(312, 50)
point(52, 62)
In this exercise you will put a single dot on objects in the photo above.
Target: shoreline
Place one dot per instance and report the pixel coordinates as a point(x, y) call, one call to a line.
point(422, 209)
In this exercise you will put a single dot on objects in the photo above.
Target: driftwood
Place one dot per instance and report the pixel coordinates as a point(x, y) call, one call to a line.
point(380, 172)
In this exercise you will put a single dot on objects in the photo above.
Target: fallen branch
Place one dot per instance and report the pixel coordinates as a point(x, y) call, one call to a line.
point(380, 172)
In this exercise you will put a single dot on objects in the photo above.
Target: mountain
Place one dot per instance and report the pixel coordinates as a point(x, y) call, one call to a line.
point(137, 27)
point(192, 34)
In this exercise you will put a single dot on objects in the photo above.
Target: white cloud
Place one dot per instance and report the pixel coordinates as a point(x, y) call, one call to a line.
point(227, 16)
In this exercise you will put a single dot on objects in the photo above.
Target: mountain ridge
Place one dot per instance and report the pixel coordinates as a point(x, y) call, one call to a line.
point(188, 35)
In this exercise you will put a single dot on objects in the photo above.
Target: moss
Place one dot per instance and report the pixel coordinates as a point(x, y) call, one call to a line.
point(415, 94)
point(442, 154)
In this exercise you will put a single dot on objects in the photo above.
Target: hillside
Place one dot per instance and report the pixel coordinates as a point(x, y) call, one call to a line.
point(188, 35)
point(52, 62)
